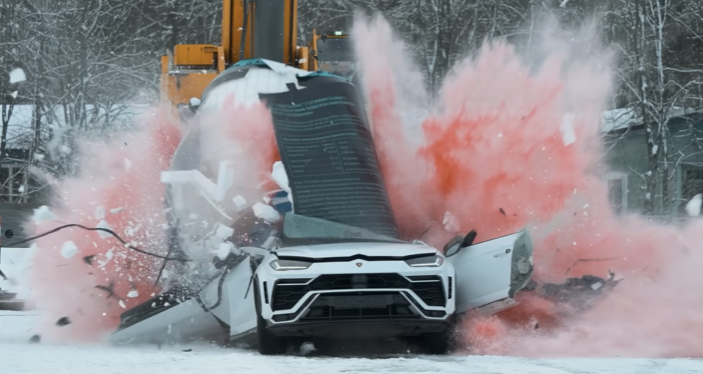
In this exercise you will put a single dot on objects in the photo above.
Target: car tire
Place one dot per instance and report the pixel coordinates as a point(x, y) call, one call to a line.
point(268, 344)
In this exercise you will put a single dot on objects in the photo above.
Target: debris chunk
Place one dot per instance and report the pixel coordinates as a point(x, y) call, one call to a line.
point(100, 212)
point(17, 75)
point(69, 249)
point(266, 212)
point(223, 232)
point(240, 202)
point(89, 259)
point(63, 321)
point(103, 225)
point(42, 214)
point(36, 338)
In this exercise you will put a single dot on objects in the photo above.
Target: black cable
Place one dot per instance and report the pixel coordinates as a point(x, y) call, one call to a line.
point(230, 265)
point(99, 229)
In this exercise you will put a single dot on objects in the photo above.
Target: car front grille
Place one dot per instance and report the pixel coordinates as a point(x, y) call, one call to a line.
point(287, 292)
point(393, 306)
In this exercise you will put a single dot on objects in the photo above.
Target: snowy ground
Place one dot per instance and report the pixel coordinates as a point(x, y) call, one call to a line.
point(17, 355)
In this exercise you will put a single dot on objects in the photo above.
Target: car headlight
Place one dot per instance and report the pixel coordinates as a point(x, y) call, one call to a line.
point(282, 265)
point(427, 261)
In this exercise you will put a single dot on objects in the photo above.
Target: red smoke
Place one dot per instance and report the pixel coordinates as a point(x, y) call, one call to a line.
point(122, 177)
point(125, 173)
point(494, 151)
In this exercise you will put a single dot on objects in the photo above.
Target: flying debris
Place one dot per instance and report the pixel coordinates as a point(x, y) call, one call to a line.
point(109, 289)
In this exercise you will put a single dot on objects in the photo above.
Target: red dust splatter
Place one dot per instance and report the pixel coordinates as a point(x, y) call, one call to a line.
point(494, 152)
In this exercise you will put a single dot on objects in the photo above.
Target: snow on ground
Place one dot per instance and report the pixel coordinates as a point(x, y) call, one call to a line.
point(17, 355)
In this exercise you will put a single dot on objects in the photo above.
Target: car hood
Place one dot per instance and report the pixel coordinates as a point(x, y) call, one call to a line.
point(357, 249)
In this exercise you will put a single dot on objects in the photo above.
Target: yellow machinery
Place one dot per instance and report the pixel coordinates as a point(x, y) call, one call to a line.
point(250, 29)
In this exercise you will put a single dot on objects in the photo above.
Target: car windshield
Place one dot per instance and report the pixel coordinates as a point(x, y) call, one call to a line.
point(303, 230)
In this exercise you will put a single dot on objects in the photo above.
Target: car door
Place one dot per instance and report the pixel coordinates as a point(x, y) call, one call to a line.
point(488, 274)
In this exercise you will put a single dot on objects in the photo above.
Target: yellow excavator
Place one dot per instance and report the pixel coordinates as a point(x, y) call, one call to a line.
point(251, 29)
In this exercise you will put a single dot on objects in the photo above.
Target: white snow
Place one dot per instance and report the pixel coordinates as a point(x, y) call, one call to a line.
point(17, 75)
point(21, 189)
point(266, 212)
point(38, 156)
point(18, 356)
point(69, 249)
point(100, 212)
point(567, 129)
point(127, 164)
point(223, 232)
point(103, 225)
point(693, 207)
point(43, 213)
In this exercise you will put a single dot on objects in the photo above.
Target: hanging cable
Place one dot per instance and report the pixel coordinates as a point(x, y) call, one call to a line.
point(103, 230)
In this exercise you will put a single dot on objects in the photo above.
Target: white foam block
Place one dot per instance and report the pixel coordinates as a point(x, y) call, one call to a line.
point(266, 212)
point(69, 249)
point(224, 232)
point(43, 213)
point(103, 225)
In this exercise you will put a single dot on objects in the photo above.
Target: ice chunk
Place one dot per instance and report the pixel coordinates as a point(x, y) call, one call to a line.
point(133, 293)
point(69, 249)
point(14, 94)
point(450, 222)
point(122, 304)
point(194, 101)
point(568, 135)
point(240, 202)
point(596, 286)
point(43, 213)
point(17, 75)
point(38, 156)
point(693, 207)
point(116, 210)
point(224, 250)
point(223, 232)
point(266, 212)
point(65, 149)
point(21, 189)
point(100, 212)
point(280, 177)
point(103, 225)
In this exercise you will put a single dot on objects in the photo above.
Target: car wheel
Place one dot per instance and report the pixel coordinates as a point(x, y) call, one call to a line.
point(268, 343)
